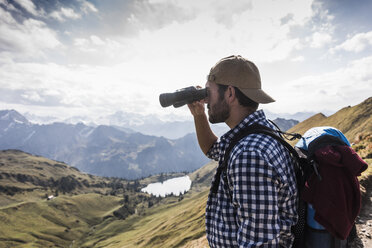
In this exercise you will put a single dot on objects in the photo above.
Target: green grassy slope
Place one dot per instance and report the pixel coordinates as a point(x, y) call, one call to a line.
point(202, 178)
point(172, 223)
point(28, 219)
point(355, 122)
point(85, 216)
point(55, 223)
point(168, 225)
point(25, 177)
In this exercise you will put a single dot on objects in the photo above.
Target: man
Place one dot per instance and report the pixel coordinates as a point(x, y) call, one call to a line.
point(256, 205)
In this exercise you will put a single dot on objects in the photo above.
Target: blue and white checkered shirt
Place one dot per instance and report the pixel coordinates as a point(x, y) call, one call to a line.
point(263, 188)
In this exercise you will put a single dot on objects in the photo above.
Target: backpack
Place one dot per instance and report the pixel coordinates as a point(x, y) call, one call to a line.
point(305, 168)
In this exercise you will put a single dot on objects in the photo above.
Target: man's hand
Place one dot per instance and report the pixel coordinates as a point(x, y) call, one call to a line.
point(197, 108)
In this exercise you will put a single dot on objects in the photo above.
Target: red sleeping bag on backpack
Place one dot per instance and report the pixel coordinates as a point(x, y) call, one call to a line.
point(336, 197)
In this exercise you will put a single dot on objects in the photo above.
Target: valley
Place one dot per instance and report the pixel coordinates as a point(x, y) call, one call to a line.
point(96, 212)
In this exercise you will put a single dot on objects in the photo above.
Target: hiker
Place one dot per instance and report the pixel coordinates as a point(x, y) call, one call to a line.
point(254, 203)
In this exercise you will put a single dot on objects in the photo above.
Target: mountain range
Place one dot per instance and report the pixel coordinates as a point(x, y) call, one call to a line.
point(110, 150)
point(170, 126)
point(101, 150)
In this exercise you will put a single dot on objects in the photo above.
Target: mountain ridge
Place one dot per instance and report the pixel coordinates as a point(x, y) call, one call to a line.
point(351, 120)
point(171, 127)
point(107, 150)
point(102, 150)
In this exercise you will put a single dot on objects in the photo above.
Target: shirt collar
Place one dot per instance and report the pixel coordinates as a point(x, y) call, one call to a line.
point(255, 117)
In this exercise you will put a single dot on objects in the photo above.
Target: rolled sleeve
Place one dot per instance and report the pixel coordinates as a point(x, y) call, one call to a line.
point(214, 151)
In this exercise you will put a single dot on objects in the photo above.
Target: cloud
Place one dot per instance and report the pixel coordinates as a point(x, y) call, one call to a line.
point(120, 55)
point(284, 20)
point(30, 7)
point(27, 39)
point(214, 27)
point(93, 40)
point(81, 87)
point(73, 11)
point(65, 13)
point(97, 40)
point(357, 43)
point(137, 16)
point(247, 28)
point(328, 91)
point(31, 97)
point(87, 7)
point(298, 59)
point(320, 40)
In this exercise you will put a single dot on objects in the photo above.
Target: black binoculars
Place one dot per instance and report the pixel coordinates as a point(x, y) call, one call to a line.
point(182, 97)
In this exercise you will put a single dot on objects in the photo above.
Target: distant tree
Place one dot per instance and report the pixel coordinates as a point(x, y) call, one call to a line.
point(161, 178)
point(124, 212)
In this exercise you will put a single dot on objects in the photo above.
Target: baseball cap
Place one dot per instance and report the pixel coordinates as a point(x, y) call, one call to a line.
point(241, 73)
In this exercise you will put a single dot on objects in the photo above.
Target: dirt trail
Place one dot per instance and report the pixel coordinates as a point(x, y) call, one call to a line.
point(364, 220)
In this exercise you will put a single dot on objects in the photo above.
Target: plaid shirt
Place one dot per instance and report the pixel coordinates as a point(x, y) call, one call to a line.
point(263, 188)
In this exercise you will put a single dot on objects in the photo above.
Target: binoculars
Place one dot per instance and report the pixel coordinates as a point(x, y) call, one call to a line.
point(182, 97)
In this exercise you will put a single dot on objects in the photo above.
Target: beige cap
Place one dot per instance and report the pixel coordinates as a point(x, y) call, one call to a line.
point(239, 72)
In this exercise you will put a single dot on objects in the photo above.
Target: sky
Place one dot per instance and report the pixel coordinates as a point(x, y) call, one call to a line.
point(93, 58)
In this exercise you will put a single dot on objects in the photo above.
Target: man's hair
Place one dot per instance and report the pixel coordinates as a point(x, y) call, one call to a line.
point(243, 99)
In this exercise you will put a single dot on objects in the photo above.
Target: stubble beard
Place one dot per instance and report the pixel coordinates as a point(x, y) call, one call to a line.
point(218, 112)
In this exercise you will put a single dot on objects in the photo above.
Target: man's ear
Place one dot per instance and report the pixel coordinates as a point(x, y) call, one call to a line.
point(230, 93)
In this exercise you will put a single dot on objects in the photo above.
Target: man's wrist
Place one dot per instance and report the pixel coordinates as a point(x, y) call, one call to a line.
point(200, 116)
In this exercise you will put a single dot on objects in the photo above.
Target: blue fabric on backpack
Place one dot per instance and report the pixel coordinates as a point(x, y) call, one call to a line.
point(316, 132)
